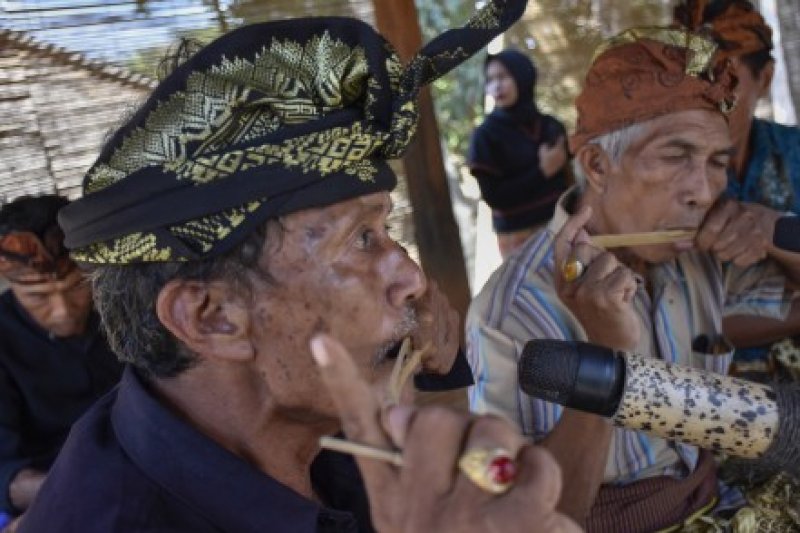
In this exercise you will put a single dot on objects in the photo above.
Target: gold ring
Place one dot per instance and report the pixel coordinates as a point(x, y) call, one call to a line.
point(572, 269)
point(492, 470)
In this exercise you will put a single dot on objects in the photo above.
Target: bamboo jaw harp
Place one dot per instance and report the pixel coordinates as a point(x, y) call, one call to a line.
point(642, 239)
point(406, 363)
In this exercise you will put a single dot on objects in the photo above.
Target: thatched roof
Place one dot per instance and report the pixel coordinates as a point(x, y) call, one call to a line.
point(55, 109)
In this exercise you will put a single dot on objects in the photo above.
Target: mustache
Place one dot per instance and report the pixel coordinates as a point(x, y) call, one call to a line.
point(403, 329)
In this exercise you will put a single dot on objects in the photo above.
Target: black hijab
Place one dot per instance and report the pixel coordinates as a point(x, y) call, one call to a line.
point(523, 71)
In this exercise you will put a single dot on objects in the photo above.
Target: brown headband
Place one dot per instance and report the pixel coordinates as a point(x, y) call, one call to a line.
point(644, 73)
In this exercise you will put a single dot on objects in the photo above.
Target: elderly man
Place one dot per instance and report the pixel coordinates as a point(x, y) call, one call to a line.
point(54, 362)
point(238, 215)
point(651, 148)
point(765, 167)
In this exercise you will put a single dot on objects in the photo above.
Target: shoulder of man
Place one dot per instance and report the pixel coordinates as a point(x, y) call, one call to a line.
point(94, 487)
point(530, 269)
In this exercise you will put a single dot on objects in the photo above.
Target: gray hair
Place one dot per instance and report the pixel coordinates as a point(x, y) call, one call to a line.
point(614, 144)
point(125, 297)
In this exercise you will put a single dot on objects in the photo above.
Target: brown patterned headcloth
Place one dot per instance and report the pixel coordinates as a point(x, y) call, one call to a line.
point(735, 24)
point(31, 243)
point(644, 73)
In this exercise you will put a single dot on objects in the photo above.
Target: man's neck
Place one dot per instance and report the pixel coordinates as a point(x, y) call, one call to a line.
point(248, 425)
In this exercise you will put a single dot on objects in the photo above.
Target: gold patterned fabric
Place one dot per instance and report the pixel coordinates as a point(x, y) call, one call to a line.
point(647, 72)
point(734, 24)
point(264, 121)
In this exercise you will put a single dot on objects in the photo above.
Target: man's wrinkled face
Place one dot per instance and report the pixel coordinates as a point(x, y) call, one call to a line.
point(500, 85)
point(335, 269)
point(668, 179)
point(60, 306)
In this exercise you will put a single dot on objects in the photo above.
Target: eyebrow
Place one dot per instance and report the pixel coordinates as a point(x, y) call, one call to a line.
point(690, 147)
point(376, 209)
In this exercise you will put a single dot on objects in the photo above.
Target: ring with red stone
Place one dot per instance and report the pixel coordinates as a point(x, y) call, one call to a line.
point(492, 470)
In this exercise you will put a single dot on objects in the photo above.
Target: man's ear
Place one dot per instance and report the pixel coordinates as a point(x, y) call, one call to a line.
point(210, 318)
point(765, 79)
point(596, 166)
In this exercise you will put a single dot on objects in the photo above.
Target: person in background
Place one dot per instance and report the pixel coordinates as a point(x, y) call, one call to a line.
point(54, 360)
point(765, 167)
point(518, 154)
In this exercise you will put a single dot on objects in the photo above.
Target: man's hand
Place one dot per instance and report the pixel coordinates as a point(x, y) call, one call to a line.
point(428, 493)
point(552, 158)
point(738, 232)
point(438, 329)
point(602, 298)
point(12, 526)
point(24, 487)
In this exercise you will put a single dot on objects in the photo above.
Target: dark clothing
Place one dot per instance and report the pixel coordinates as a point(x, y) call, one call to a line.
point(46, 384)
point(130, 464)
point(504, 157)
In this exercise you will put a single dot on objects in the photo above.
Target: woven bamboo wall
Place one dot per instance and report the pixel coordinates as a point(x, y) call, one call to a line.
point(55, 109)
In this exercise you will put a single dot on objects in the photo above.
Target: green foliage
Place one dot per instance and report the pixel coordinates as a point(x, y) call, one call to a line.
point(458, 96)
point(559, 35)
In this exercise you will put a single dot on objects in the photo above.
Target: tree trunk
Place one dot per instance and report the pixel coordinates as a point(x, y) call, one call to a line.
point(435, 229)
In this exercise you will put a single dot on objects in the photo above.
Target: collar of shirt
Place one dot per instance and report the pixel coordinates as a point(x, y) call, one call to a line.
point(220, 486)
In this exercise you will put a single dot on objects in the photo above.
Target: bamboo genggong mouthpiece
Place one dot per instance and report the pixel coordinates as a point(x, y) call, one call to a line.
point(642, 239)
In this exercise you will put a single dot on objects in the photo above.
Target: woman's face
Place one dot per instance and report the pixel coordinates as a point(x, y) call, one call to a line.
point(500, 85)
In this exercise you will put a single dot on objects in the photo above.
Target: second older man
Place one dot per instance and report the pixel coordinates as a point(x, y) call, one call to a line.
point(651, 148)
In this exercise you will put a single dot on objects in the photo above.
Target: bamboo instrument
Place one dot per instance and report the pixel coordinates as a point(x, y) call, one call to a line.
point(404, 367)
point(642, 239)
point(354, 448)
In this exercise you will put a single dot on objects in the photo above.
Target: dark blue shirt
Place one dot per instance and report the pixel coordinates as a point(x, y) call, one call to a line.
point(130, 464)
point(46, 384)
point(772, 176)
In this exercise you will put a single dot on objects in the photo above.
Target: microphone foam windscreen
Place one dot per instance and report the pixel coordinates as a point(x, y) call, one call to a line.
point(548, 369)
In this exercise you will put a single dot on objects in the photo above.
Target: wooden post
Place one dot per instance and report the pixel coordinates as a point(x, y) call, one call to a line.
point(435, 228)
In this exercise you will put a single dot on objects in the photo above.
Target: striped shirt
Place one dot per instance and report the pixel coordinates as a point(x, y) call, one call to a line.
point(687, 299)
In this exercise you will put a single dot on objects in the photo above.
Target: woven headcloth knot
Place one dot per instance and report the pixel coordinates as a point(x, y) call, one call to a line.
point(266, 120)
point(735, 24)
point(644, 73)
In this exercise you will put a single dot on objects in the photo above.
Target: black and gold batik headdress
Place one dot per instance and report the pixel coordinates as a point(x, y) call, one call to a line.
point(264, 121)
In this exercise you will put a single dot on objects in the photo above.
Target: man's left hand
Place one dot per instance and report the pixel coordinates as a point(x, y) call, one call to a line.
point(12, 526)
point(439, 328)
point(738, 232)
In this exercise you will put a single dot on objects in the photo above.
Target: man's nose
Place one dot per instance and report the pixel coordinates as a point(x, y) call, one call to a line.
point(408, 281)
point(701, 190)
point(59, 307)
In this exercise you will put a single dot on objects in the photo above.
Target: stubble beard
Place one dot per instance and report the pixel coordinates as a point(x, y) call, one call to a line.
point(402, 330)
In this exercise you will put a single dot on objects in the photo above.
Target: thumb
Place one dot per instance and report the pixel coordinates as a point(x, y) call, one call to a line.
point(358, 407)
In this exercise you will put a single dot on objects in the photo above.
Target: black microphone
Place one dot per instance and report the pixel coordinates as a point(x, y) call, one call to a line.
point(787, 234)
point(574, 374)
point(674, 402)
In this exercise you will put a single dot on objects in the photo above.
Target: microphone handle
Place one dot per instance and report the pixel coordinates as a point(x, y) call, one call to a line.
point(703, 408)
